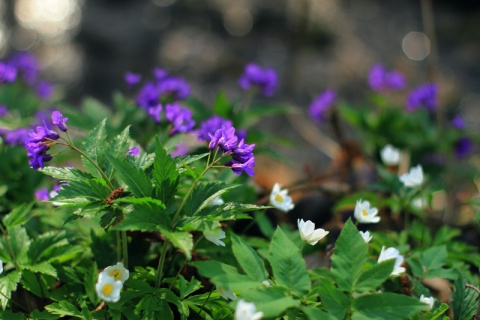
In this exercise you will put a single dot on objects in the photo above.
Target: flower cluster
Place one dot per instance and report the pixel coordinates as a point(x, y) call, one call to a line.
point(380, 80)
point(133, 151)
point(255, 76)
point(211, 125)
point(423, 96)
point(226, 141)
point(110, 282)
point(319, 108)
point(44, 195)
point(180, 118)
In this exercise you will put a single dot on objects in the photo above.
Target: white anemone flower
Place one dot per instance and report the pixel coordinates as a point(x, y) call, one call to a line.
point(118, 272)
point(392, 253)
point(280, 199)
point(366, 236)
point(247, 311)
point(108, 289)
point(226, 294)
point(429, 301)
point(413, 178)
point(390, 155)
point(214, 236)
point(364, 214)
point(308, 232)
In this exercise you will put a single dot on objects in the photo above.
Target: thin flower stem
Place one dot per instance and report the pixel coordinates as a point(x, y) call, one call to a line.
point(125, 247)
point(203, 305)
point(161, 263)
point(119, 246)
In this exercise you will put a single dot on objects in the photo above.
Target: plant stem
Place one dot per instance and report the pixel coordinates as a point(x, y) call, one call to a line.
point(119, 246)
point(14, 302)
point(125, 247)
point(161, 262)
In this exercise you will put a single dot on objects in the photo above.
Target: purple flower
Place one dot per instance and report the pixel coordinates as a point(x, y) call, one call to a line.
point(42, 194)
point(180, 150)
point(319, 107)
point(3, 110)
point(59, 120)
point(263, 78)
point(243, 152)
point(462, 148)
point(16, 137)
point(133, 151)
point(380, 80)
point(37, 145)
point(148, 96)
point(224, 138)
point(458, 122)
point(132, 79)
point(210, 126)
point(174, 88)
point(27, 65)
point(155, 112)
point(44, 90)
point(239, 167)
point(8, 73)
point(180, 118)
point(423, 96)
point(160, 74)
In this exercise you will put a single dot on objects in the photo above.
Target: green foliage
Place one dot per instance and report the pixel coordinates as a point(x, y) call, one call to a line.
point(464, 300)
point(385, 306)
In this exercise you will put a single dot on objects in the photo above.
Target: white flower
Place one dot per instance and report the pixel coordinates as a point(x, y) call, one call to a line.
point(266, 283)
point(280, 199)
point(419, 203)
point(247, 311)
point(429, 301)
point(214, 236)
point(118, 272)
point(390, 155)
point(108, 288)
point(1, 266)
point(364, 214)
point(217, 202)
point(308, 232)
point(226, 294)
point(413, 178)
point(392, 253)
point(366, 236)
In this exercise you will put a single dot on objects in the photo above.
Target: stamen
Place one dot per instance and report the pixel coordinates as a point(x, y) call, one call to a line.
point(279, 198)
point(107, 289)
point(365, 212)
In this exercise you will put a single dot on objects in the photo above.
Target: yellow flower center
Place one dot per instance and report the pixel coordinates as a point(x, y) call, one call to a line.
point(279, 198)
point(364, 212)
point(116, 275)
point(107, 289)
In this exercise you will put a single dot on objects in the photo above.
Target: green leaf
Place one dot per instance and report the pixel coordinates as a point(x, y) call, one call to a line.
point(248, 259)
point(349, 256)
point(44, 268)
point(89, 280)
point(189, 159)
point(34, 283)
point(18, 216)
point(464, 300)
point(316, 314)
point(213, 268)
point(148, 214)
point(63, 309)
point(437, 313)
point(288, 265)
point(221, 106)
point(42, 315)
point(271, 301)
point(94, 146)
point(434, 257)
point(18, 244)
point(118, 149)
point(187, 287)
point(66, 174)
point(136, 180)
point(10, 315)
point(92, 189)
point(333, 299)
point(203, 194)
point(42, 247)
point(371, 278)
point(180, 240)
point(385, 306)
point(165, 174)
point(8, 283)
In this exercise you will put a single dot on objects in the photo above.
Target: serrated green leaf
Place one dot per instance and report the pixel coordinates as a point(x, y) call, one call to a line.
point(18, 244)
point(203, 194)
point(385, 306)
point(316, 314)
point(8, 284)
point(464, 300)
point(66, 174)
point(248, 259)
point(165, 174)
point(118, 149)
point(92, 189)
point(434, 257)
point(136, 179)
point(213, 268)
point(149, 213)
point(44, 268)
point(94, 146)
point(371, 278)
point(349, 256)
point(288, 266)
point(333, 299)
point(10, 315)
point(34, 283)
point(42, 315)
point(437, 313)
point(63, 309)
point(180, 240)
point(187, 287)
point(271, 301)
point(18, 216)
point(236, 282)
point(43, 245)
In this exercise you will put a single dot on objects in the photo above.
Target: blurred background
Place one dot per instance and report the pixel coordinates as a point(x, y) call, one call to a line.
point(86, 46)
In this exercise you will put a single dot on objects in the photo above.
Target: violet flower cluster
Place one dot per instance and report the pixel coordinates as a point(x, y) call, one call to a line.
point(212, 125)
point(255, 76)
point(423, 96)
point(227, 142)
point(41, 139)
point(318, 109)
point(381, 80)
point(179, 117)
